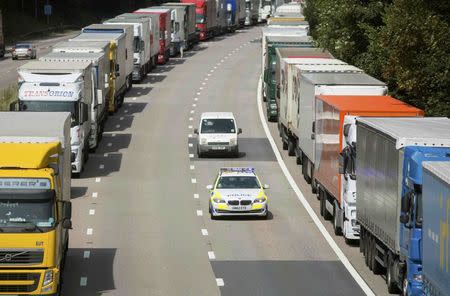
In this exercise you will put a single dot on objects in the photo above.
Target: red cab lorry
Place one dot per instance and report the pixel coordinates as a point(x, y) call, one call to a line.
point(164, 31)
point(206, 17)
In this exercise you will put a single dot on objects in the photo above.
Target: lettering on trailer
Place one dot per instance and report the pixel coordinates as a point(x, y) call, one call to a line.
point(24, 183)
point(444, 233)
point(48, 93)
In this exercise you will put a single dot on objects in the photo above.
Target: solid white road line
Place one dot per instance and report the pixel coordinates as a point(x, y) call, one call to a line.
point(211, 255)
point(220, 282)
point(83, 281)
point(199, 213)
point(196, 196)
point(86, 254)
point(305, 203)
point(204, 231)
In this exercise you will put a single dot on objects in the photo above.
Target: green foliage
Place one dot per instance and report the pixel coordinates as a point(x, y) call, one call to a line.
point(7, 96)
point(402, 42)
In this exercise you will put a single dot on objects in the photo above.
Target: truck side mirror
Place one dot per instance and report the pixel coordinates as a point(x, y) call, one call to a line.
point(239, 131)
point(99, 97)
point(142, 45)
point(67, 210)
point(85, 112)
point(196, 131)
point(346, 129)
point(117, 68)
point(67, 224)
point(404, 218)
point(406, 203)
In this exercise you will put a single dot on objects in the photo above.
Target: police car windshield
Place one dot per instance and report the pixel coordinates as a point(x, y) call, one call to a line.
point(240, 182)
point(218, 126)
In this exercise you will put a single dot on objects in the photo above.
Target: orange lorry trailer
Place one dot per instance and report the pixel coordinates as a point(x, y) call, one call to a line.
point(335, 133)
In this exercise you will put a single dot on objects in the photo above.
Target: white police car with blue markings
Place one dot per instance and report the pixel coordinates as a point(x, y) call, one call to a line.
point(237, 191)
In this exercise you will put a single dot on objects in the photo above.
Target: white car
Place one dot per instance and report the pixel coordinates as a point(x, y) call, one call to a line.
point(237, 192)
point(217, 133)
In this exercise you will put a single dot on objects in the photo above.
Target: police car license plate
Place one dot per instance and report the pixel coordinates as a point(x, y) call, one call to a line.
point(239, 208)
point(218, 147)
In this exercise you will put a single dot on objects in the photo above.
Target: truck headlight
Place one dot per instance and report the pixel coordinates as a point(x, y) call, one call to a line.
point(48, 278)
point(418, 277)
point(233, 141)
point(218, 200)
point(260, 200)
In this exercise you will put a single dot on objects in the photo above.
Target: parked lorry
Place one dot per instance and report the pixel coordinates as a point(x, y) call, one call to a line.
point(127, 58)
point(272, 43)
point(241, 13)
point(333, 140)
point(188, 32)
point(100, 64)
point(165, 29)
point(118, 83)
point(287, 21)
point(222, 22)
point(265, 9)
point(303, 109)
point(177, 37)
point(61, 87)
point(436, 225)
point(35, 207)
point(389, 189)
point(153, 31)
point(2, 39)
point(251, 12)
point(292, 9)
point(109, 50)
point(289, 91)
point(232, 18)
point(141, 44)
point(206, 17)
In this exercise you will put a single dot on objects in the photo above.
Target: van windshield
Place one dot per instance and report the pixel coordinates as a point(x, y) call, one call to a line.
point(218, 126)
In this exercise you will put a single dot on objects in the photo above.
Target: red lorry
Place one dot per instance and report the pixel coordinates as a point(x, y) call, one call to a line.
point(164, 31)
point(206, 17)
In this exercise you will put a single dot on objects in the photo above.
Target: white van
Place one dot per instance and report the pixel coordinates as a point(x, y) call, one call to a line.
point(217, 133)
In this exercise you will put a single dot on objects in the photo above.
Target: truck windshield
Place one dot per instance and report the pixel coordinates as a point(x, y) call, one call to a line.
point(200, 19)
point(137, 44)
point(29, 209)
point(238, 182)
point(53, 106)
point(218, 126)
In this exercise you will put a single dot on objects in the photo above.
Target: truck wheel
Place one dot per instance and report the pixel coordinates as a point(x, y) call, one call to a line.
point(390, 282)
point(326, 213)
point(366, 249)
point(298, 160)
point(321, 202)
point(337, 229)
point(291, 148)
point(313, 181)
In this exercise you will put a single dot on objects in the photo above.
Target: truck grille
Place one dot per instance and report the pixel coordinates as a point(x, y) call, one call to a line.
point(19, 277)
point(18, 256)
point(218, 143)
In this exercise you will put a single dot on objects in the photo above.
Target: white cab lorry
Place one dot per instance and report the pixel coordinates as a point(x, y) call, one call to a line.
point(61, 87)
point(100, 64)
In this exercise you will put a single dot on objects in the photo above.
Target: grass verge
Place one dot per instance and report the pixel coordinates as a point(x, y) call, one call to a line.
point(7, 96)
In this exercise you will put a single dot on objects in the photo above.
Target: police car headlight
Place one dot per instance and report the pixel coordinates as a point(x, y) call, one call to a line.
point(218, 200)
point(260, 200)
point(48, 277)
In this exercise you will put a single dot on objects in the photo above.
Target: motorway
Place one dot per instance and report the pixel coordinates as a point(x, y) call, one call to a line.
point(8, 73)
point(141, 224)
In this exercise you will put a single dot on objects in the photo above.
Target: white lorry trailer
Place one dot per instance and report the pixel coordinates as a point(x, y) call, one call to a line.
point(100, 64)
point(113, 29)
point(251, 12)
point(153, 31)
point(61, 87)
point(313, 84)
point(188, 32)
point(121, 81)
point(141, 45)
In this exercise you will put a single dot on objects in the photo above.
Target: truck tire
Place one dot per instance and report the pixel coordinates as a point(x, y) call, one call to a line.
point(285, 145)
point(392, 285)
point(326, 214)
point(298, 160)
point(313, 180)
point(305, 169)
point(291, 148)
point(321, 203)
point(337, 229)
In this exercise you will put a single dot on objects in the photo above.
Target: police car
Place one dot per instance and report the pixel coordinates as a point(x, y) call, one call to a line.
point(237, 192)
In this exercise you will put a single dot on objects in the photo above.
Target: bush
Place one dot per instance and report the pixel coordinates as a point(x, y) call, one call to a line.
point(7, 96)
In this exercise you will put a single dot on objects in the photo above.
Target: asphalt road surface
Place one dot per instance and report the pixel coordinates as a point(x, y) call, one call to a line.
point(141, 222)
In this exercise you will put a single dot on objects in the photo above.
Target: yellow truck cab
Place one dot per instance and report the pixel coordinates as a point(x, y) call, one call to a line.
point(35, 208)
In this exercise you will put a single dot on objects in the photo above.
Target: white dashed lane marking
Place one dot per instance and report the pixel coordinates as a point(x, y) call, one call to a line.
point(211, 255)
point(86, 254)
point(199, 213)
point(191, 145)
point(94, 194)
point(89, 231)
point(204, 231)
point(190, 118)
point(196, 196)
point(102, 166)
point(220, 282)
point(97, 180)
point(92, 212)
point(83, 281)
point(191, 155)
point(189, 136)
point(193, 180)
